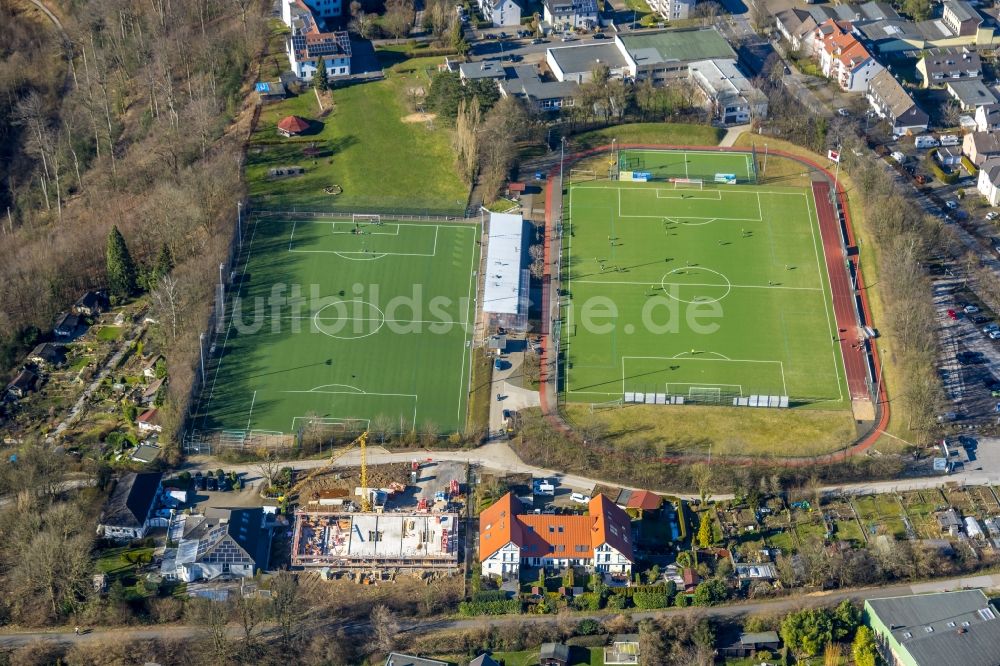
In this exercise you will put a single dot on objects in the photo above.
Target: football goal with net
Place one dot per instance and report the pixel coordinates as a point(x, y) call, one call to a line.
point(361, 220)
point(688, 183)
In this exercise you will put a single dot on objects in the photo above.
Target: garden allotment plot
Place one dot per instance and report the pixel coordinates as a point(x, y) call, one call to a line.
point(715, 292)
point(344, 322)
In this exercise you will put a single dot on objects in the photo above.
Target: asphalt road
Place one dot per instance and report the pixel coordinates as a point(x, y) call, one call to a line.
point(11, 638)
point(498, 456)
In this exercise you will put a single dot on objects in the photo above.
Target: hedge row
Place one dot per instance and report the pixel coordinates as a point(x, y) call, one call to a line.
point(938, 171)
point(507, 607)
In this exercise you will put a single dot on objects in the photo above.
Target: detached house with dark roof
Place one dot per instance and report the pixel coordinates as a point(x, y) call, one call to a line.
point(891, 101)
point(91, 304)
point(48, 355)
point(940, 66)
point(510, 539)
point(22, 385)
point(223, 542)
point(128, 513)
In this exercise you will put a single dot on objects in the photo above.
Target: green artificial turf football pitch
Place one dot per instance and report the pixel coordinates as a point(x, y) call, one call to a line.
point(345, 329)
point(710, 292)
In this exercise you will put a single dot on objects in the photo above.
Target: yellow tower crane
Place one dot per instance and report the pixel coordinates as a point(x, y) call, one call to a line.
point(366, 502)
point(362, 440)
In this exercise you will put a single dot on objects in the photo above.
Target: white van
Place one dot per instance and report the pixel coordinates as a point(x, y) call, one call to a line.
point(898, 156)
point(579, 498)
point(926, 142)
point(950, 140)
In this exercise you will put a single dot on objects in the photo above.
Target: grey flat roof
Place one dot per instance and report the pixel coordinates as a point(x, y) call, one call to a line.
point(972, 92)
point(580, 59)
point(525, 80)
point(677, 45)
point(945, 628)
point(485, 69)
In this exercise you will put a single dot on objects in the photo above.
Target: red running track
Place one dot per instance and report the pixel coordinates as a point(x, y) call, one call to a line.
point(851, 339)
point(855, 357)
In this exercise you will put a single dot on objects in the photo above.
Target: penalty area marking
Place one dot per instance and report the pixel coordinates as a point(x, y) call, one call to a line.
point(780, 364)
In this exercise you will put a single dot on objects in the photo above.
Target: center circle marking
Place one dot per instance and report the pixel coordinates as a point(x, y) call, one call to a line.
point(727, 284)
point(322, 328)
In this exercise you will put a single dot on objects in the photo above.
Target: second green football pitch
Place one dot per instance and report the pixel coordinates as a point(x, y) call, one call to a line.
point(710, 293)
point(351, 324)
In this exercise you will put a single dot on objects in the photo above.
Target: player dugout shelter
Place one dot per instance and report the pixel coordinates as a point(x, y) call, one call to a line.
point(505, 294)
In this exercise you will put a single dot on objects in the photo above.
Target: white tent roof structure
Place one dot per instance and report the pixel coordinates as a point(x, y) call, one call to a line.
point(503, 264)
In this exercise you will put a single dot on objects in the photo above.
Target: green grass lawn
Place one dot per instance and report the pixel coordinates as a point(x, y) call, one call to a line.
point(376, 325)
point(80, 362)
point(112, 561)
point(381, 162)
point(656, 133)
point(708, 295)
point(109, 333)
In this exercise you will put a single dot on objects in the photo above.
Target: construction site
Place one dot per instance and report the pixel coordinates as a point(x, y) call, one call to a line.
point(381, 518)
point(402, 540)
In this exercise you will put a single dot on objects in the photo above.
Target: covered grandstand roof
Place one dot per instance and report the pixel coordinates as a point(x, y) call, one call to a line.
point(503, 264)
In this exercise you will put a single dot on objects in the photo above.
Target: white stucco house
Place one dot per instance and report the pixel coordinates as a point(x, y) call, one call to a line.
point(509, 539)
point(988, 183)
point(308, 47)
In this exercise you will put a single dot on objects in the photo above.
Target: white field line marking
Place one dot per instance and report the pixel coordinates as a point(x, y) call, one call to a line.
point(715, 360)
point(232, 316)
point(379, 319)
point(291, 238)
point(366, 393)
point(331, 420)
point(705, 284)
point(252, 401)
point(334, 231)
point(660, 191)
point(827, 303)
point(730, 190)
point(465, 352)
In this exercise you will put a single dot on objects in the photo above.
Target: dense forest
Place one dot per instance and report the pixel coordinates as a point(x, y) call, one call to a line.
point(126, 115)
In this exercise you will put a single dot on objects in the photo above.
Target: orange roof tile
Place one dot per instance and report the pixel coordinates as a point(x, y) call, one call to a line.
point(611, 525)
point(558, 536)
point(498, 525)
point(643, 499)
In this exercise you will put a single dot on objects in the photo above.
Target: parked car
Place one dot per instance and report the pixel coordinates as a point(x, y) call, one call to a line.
point(538, 40)
point(568, 38)
point(970, 309)
point(579, 498)
point(979, 319)
point(992, 215)
point(994, 335)
point(951, 204)
point(969, 358)
point(952, 315)
point(600, 35)
point(843, 112)
point(989, 328)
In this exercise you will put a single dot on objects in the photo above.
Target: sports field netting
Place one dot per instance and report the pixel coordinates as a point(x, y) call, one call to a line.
point(346, 324)
point(705, 165)
point(713, 295)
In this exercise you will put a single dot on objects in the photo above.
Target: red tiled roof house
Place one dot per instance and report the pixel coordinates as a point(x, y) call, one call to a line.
point(510, 539)
point(843, 58)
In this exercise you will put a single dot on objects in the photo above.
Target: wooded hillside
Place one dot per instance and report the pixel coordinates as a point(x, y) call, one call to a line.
point(119, 121)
